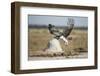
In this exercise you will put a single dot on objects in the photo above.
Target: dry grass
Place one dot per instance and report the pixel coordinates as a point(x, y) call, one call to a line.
point(39, 38)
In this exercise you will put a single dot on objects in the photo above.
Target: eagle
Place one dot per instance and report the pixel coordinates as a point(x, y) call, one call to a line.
point(65, 33)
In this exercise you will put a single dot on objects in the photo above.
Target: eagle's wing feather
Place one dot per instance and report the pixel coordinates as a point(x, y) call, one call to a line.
point(69, 28)
point(67, 31)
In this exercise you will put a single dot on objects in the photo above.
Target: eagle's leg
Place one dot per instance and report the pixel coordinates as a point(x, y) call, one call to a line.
point(64, 39)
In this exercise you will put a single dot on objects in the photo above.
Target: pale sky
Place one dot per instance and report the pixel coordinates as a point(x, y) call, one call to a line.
point(56, 20)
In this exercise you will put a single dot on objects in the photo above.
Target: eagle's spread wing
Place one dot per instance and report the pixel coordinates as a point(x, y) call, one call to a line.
point(65, 32)
point(69, 28)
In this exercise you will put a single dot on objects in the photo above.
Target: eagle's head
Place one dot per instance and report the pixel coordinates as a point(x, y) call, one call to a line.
point(50, 26)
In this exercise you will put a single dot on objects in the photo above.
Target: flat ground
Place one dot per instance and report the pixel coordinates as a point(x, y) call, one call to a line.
point(77, 48)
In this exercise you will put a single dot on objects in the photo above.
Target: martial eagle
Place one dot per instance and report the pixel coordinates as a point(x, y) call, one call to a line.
point(65, 33)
